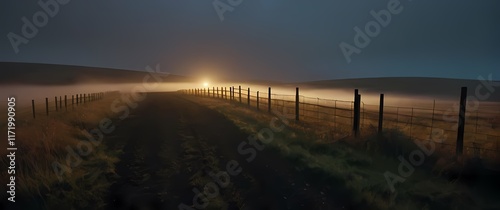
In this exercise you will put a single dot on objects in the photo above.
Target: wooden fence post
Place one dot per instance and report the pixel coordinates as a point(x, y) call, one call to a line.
point(258, 100)
point(239, 91)
point(461, 121)
point(269, 100)
point(56, 103)
point(381, 114)
point(297, 103)
point(47, 106)
point(356, 114)
point(33, 107)
point(248, 97)
point(232, 94)
point(60, 103)
point(213, 92)
point(72, 100)
point(218, 92)
point(84, 98)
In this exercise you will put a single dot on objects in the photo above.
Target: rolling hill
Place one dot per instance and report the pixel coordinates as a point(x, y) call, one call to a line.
point(51, 74)
point(421, 86)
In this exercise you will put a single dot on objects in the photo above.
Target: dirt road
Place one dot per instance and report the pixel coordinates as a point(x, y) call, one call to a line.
point(172, 150)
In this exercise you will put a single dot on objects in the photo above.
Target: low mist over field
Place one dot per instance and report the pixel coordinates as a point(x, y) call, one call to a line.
point(250, 105)
point(25, 93)
point(38, 81)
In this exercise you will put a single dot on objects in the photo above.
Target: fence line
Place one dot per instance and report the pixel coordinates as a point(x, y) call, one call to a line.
point(417, 122)
point(59, 103)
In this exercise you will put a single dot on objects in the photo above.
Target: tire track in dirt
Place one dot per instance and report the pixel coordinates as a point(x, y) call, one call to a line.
point(170, 144)
point(148, 136)
point(267, 182)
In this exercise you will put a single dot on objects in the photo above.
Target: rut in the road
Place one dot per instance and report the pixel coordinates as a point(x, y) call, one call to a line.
point(171, 145)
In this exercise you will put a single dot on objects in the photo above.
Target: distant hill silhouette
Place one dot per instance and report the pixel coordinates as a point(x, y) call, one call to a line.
point(423, 86)
point(51, 74)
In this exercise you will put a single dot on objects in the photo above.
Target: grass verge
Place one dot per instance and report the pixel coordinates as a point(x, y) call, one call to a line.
point(357, 166)
point(45, 140)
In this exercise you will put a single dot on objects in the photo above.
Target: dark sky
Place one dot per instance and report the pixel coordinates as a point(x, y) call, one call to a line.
point(286, 40)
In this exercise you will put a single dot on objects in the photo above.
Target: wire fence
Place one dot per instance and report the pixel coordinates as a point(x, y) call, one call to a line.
point(51, 105)
point(438, 123)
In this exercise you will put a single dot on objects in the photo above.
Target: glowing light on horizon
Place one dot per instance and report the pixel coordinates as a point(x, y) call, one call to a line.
point(205, 84)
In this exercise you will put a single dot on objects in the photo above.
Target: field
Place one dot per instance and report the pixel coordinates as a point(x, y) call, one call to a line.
point(45, 140)
point(428, 120)
point(358, 165)
point(167, 148)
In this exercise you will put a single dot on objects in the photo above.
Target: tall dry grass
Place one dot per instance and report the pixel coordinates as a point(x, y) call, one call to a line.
point(42, 141)
point(356, 166)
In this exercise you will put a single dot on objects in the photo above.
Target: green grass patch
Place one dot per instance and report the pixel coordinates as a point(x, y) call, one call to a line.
point(355, 166)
